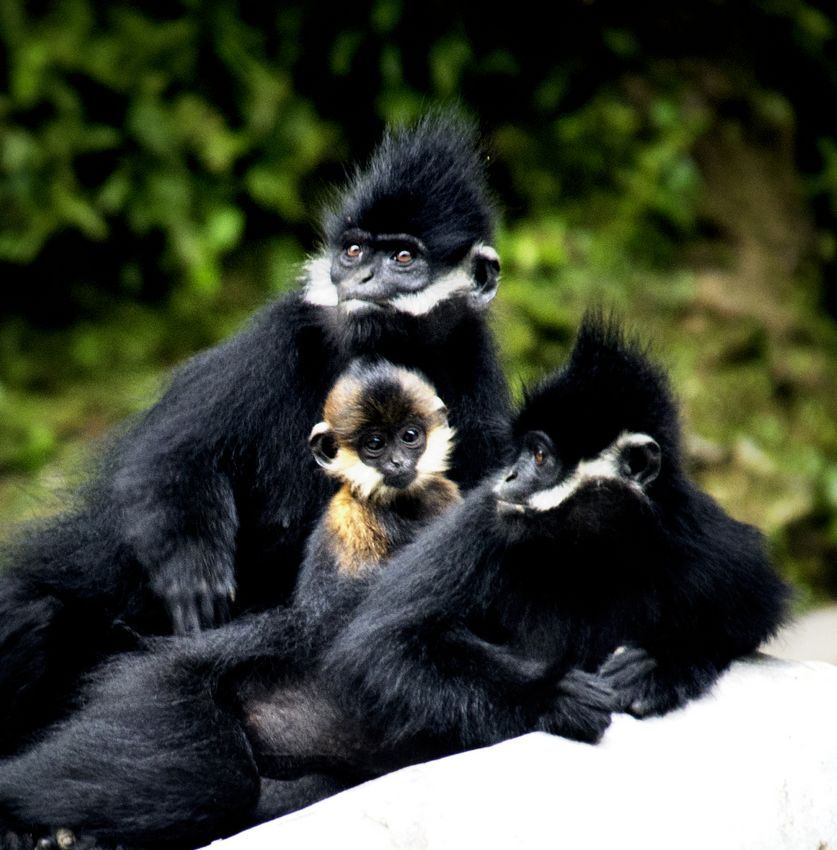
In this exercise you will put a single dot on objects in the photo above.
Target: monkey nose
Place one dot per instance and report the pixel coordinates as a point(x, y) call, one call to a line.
point(512, 475)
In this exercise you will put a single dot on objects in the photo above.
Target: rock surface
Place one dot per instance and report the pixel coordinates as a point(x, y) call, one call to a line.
point(752, 766)
point(812, 637)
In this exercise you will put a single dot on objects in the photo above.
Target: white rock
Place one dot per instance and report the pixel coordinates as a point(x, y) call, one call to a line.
point(812, 636)
point(752, 766)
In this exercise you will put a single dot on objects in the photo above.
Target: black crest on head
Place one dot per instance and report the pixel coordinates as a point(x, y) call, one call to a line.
point(426, 180)
point(609, 385)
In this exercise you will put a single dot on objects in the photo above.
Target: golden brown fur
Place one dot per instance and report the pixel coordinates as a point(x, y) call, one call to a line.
point(349, 408)
point(361, 536)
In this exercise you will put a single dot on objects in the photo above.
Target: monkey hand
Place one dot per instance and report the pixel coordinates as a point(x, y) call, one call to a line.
point(581, 708)
point(196, 589)
point(647, 685)
point(630, 672)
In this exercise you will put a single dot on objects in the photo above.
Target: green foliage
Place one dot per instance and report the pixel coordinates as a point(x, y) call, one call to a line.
point(109, 129)
point(161, 166)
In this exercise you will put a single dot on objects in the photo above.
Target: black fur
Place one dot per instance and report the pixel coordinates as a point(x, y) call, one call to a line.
point(489, 624)
point(671, 574)
point(411, 180)
point(212, 492)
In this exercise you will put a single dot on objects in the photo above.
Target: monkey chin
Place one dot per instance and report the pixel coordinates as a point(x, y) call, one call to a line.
point(514, 520)
point(511, 509)
point(357, 307)
point(403, 481)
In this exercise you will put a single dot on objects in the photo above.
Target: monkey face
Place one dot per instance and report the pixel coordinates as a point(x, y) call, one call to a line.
point(588, 498)
point(409, 234)
point(394, 452)
point(370, 272)
point(385, 275)
point(385, 431)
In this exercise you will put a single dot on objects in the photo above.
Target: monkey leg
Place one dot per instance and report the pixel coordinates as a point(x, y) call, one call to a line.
point(150, 759)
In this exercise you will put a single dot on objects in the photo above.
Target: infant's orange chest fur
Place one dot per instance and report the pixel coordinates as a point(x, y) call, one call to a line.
point(359, 537)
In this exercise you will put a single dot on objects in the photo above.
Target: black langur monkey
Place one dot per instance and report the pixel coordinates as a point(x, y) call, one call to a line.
point(592, 540)
point(201, 509)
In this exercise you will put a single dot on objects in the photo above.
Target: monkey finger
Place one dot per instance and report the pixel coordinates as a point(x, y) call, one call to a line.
point(178, 623)
point(192, 617)
point(61, 839)
point(185, 618)
point(625, 657)
point(221, 608)
point(205, 607)
point(588, 689)
point(627, 669)
point(576, 720)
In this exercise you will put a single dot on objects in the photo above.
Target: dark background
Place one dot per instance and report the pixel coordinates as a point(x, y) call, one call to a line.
point(162, 166)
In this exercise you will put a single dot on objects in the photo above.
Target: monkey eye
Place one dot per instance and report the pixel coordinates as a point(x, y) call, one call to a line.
point(374, 444)
point(540, 448)
point(403, 257)
point(354, 251)
point(410, 436)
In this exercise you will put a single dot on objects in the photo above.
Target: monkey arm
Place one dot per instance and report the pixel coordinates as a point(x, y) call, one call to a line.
point(391, 665)
point(406, 667)
point(181, 520)
point(149, 758)
point(574, 704)
point(220, 430)
point(483, 415)
point(719, 602)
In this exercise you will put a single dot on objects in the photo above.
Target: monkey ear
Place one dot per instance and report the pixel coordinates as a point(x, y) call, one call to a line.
point(323, 444)
point(485, 272)
point(440, 410)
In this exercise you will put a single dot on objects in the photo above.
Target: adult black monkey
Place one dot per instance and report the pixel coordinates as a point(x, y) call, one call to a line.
point(480, 629)
point(385, 437)
point(594, 539)
point(210, 495)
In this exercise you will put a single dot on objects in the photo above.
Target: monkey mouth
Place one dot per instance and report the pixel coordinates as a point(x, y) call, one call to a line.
point(352, 305)
point(400, 480)
point(505, 508)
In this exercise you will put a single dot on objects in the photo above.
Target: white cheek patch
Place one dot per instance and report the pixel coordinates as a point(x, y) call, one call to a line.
point(319, 289)
point(421, 303)
point(363, 479)
point(436, 456)
point(605, 467)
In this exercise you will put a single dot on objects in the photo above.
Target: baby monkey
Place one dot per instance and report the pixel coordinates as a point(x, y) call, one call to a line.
point(385, 437)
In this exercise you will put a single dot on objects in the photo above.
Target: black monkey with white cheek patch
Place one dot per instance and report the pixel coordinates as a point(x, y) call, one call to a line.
point(245, 690)
point(202, 508)
point(592, 540)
